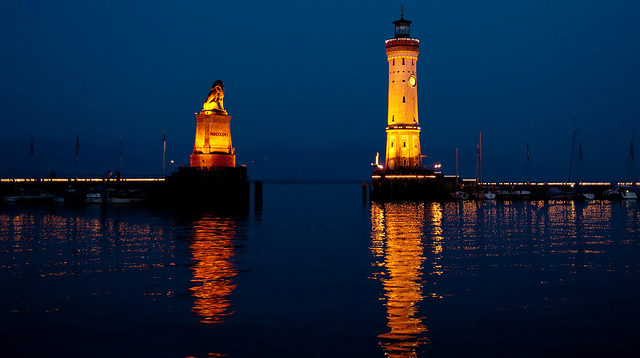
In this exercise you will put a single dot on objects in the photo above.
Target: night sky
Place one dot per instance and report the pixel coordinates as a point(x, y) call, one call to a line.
point(306, 84)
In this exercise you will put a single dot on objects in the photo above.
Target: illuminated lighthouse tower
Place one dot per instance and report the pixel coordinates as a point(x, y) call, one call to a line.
point(403, 132)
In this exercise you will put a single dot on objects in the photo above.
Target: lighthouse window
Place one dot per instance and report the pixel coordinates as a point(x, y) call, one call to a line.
point(393, 62)
point(404, 144)
point(411, 62)
point(403, 99)
point(403, 60)
point(391, 144)
point(393, 118)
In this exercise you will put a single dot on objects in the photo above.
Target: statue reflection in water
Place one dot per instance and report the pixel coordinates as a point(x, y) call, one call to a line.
point(213, 268)
point(397, 245)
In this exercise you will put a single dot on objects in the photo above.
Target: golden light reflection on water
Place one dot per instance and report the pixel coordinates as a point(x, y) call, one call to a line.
point(76, 244)
point(545, 229)
point(213, 269)
point(436, 236)
point(40, 248)
point(420, 247)
point(397, 245)
point(65, 246)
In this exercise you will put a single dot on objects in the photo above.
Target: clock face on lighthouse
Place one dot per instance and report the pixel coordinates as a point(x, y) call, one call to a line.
point(412, 81)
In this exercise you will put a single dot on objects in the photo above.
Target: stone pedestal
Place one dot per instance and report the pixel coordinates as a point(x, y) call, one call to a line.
point(212, 160)
point(213, 146)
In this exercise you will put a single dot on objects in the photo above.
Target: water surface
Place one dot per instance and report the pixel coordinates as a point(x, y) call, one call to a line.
point(316, 273)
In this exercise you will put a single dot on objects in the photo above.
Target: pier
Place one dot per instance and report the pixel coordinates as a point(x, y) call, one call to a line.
point(223, 187)
point(425, 185)
point(230, 187)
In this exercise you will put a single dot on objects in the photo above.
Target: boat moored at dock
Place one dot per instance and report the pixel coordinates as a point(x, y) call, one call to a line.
point(623, 192)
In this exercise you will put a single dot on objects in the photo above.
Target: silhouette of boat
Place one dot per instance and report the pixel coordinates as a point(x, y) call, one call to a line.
point(559, 194)
point(520, 194)
point(460, 195)
point(484, 194)
point(623, 192)
point(130, 196)
point(93, 198)
point(583, 193)
point(31, 195)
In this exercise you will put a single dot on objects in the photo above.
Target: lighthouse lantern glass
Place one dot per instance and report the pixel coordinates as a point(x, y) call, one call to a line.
point(402, 30)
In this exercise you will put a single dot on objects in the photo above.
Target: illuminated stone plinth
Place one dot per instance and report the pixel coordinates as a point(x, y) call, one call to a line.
point(213, 146)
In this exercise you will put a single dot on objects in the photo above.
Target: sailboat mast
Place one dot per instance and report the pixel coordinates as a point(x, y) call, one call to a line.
point(477, 162)
point(457, 175)
point(31, 154)
point(480, 157)
point(633, 172)
point(121, 150)
point(579, 178)
point(75, 164)
point(528, 168)
point(164, 152)
point(573, 144)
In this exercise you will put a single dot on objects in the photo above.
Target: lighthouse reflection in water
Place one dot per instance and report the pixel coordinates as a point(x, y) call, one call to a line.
point(398, 241)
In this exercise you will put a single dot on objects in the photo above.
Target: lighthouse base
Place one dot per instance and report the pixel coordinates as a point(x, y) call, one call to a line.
point(410, 184)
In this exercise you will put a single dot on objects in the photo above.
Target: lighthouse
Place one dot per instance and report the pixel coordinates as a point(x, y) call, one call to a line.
point(403, 130)
point(402, 176)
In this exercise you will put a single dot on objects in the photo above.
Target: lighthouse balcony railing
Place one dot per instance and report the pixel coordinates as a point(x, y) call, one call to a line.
point(402, 42)
point(403, 126)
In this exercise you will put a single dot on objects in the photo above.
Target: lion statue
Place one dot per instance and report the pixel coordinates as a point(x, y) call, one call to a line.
point(214, 100)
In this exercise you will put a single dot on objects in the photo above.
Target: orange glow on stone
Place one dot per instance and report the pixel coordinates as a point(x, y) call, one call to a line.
point(403, 133)
point(212, 147)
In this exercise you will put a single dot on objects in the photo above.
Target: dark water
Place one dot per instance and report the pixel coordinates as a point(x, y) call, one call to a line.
point(318, 274)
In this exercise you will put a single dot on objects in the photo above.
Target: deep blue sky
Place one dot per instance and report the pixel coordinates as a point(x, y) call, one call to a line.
point(306, 83)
